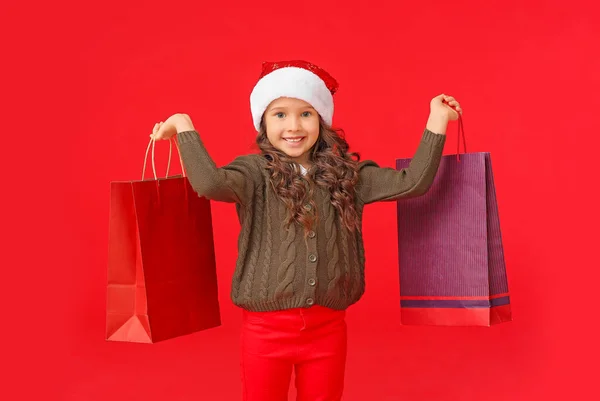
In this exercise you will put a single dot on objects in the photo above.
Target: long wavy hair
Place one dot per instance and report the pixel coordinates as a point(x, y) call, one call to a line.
point(333, 168)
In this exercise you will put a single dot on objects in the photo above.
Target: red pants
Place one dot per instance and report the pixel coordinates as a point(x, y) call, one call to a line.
point(312, 340)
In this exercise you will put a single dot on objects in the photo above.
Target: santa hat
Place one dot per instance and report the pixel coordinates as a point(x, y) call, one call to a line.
point(297, 79)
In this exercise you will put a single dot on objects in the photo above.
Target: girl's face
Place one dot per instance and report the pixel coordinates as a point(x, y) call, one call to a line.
point(292, 127)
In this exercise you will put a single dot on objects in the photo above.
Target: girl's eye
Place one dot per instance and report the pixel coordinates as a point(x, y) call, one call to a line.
point(279, 115)
point(306, 114)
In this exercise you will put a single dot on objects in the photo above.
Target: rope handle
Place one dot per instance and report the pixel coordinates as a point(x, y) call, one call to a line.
point(152, 143)
point(461, 129)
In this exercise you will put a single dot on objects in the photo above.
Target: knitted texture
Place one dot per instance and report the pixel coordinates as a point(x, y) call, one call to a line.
point(277, 268)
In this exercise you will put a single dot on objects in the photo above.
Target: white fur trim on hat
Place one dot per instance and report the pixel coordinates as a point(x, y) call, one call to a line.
point(291, 82)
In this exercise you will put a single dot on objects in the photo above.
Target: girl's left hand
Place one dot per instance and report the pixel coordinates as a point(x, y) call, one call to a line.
point(445, 107)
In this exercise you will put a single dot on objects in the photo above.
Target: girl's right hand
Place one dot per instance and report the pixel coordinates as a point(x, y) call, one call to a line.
point(174, 124)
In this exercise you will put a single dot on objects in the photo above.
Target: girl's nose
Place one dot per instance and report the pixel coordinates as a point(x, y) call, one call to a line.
point(294, 124)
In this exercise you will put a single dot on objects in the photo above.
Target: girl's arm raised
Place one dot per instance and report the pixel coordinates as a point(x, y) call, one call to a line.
point(387, 184)
point(231, 183)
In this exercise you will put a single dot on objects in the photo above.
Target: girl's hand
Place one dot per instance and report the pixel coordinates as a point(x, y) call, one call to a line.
point(445, 108)
point(174, 124)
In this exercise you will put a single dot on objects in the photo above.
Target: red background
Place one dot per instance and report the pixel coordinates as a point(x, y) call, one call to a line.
point(83, 84)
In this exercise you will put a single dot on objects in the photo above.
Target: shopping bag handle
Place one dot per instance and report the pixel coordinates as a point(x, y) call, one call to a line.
point(152, 142)
point(461, 129)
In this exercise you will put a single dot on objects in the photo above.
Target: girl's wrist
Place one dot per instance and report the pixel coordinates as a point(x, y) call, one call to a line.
point(437, 124)
point(183, 123)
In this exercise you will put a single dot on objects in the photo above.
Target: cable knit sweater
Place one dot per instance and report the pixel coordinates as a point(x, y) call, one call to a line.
point(276, 267)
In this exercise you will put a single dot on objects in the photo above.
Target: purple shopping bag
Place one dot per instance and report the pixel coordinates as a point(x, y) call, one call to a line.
point(452, 267)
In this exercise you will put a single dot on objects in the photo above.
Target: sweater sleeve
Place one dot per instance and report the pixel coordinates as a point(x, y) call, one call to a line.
point(388, 184)
point(234, 182)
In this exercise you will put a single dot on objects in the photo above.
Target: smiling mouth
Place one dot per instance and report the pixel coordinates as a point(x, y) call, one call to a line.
point(293, 139)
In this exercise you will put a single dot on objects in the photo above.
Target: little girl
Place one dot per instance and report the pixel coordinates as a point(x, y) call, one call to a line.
point(300, 203)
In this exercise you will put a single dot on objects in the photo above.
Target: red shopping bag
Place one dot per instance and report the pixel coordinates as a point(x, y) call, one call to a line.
point(162, 280)
point(452, 267)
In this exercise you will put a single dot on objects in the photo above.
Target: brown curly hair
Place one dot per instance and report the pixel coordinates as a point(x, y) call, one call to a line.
point(333, 168)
